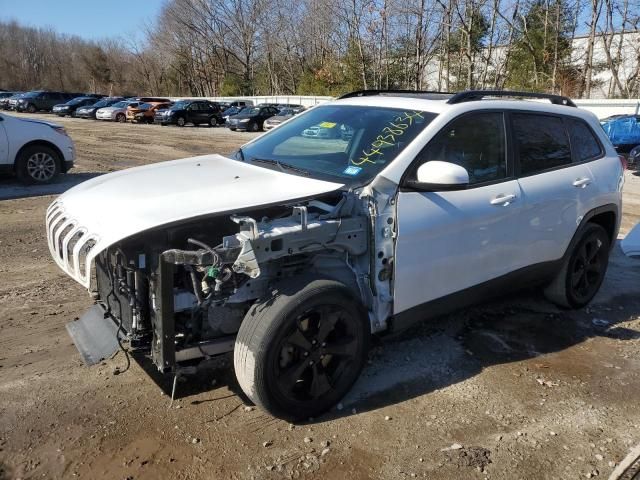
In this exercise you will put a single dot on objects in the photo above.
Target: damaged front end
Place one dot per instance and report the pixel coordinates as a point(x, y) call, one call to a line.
point(180, 293)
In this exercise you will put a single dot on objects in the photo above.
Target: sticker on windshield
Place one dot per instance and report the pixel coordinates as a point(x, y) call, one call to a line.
point(351, 170)
point(327, 124)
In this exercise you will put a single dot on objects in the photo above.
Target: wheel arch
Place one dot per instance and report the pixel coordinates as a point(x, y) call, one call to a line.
point(607, 216)
point(43, 143)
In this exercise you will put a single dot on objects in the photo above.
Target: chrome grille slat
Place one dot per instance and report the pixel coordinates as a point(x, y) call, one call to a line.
point(71, 244)
point(63, 230)
point(65, 244)
point(55, 228)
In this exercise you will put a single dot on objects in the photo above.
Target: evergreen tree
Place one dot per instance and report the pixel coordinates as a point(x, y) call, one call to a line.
point(540, 58)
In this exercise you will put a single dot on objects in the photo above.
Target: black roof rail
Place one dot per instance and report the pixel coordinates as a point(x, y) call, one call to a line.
point(473, 95)
point(427, 94)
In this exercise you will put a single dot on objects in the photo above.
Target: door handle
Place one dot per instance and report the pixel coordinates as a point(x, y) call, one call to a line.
point(503, 200)
point(581, 182)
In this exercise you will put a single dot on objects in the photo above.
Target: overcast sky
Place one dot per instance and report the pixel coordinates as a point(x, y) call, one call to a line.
point(91, 19)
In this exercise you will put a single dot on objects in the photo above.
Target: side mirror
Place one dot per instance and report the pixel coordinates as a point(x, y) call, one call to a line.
point(437, 176)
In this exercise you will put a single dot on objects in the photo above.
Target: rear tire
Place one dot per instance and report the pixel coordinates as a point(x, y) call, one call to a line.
point(583, 270)
point(37, 164)
point(301, 347)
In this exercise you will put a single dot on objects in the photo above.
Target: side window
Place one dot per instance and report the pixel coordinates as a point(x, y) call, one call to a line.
point(475, 142)
point(541, 142)
point(584, 144)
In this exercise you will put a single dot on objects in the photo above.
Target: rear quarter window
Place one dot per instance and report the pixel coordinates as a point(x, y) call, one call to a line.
point(584, 143)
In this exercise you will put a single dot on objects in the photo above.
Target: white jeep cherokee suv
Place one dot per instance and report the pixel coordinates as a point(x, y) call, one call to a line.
point(35, 151)
point(296, 251)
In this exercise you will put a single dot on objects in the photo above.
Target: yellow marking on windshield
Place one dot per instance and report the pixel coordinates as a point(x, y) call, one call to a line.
point(387, 137)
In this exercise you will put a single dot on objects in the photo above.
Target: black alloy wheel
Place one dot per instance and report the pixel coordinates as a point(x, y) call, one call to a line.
point(315, 353)
point(301, 347)
point(588, 267)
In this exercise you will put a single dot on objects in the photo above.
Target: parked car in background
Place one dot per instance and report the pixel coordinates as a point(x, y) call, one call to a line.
point(145, 112)
point(324, 130)
point(12, 102)
point(6, 97)
point(230, 111)
point(283, 115)
point(89, 111)
point(239, 103)
point(251, 119)
point(624, 133)
point(293, 106)
point(196, 112)
point(34, 151)
point(37, 100)
point(72, 106)
point(116, 112)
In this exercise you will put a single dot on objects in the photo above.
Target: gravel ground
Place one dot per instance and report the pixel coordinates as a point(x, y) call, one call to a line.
point(514, 389)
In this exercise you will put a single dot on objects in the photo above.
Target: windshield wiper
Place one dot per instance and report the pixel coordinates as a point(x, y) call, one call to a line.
point(281, 166)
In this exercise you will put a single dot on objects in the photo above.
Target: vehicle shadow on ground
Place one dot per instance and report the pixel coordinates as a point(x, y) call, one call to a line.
point(11, 188)
point(455, 347)
point(4, 474)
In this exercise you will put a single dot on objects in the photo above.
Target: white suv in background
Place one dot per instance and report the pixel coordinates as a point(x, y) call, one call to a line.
point(294, 252)
point(35, 151)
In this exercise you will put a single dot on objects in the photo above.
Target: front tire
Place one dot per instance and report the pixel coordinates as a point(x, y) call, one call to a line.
point(181, 122)
point(583, 270)
point(121, 118)
point(253, 127)
point(213, 122)
point(31, 108)
point(300, 349)
point(37, 164)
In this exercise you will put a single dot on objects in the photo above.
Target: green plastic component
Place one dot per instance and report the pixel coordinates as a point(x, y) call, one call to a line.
point(213, 272)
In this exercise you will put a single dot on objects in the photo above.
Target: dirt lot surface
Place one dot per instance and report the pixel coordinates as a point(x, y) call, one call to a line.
point(514, 389)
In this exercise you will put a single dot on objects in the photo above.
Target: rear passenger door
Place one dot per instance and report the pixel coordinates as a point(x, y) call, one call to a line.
point(556, 189)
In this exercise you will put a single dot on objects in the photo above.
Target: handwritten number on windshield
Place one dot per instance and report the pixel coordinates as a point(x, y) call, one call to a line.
point(387, 137)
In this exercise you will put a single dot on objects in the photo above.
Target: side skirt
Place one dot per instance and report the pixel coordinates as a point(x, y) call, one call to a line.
point(520, 279)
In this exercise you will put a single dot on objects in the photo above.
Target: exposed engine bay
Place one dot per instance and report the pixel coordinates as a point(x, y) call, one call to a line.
point(180, 293)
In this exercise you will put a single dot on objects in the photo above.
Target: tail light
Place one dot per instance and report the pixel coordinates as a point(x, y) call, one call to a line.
point(623, 161)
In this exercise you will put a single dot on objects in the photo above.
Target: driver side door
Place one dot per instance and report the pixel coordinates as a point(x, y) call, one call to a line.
point(451, 240)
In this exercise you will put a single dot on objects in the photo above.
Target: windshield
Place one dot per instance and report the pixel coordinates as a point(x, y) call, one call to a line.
point(120, 104)
point(250, 111)
point(340, 142)
point(181, 105)
point(144, 106)
point(102, 103)
point(31, 94)
point(76, 101)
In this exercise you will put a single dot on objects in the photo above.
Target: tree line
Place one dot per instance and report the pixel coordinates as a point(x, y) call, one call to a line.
point(328, 47)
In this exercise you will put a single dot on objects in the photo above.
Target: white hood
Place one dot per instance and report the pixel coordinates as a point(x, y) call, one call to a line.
point(112, 207)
